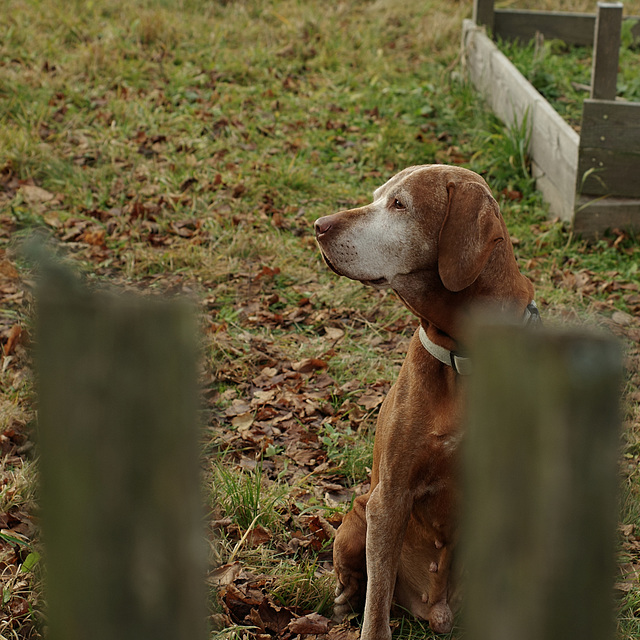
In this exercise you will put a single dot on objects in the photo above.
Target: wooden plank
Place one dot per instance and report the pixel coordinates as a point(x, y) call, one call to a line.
point(606, 51)
point(554, 144)
point(554, 149)
point(483, 14)
point(559, 198)
point(540, 506)
point(572, 28)
point(594, 216)
point(611, 125)
point(120, 485)
point(495, 78)
point(605, 172)
point(609, 156)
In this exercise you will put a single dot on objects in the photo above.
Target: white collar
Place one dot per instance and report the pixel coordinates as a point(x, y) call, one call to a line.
point(462, 364)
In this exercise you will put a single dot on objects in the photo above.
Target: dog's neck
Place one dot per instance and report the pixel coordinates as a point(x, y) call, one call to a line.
point(438, 343)
point(439, 337)
point(443, 313)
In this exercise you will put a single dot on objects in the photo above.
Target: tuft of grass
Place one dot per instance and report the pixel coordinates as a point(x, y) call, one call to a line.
point(304, 584)
point(244, 497)
point(504, 158)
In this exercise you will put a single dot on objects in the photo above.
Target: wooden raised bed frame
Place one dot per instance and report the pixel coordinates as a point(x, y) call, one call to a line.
point(591, 180)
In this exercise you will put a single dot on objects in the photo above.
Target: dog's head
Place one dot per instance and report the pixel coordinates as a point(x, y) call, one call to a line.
point(434, 226)
point(425, 217)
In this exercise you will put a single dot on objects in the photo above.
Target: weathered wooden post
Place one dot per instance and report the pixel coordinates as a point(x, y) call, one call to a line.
point(483, 13)
point(119, 466)
point(541, 478)
point(606, 51)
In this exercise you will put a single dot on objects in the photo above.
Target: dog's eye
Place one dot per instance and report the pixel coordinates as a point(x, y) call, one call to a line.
point(397, 204)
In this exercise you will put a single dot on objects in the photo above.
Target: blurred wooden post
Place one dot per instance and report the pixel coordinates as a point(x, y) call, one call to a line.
point(483, 14)
point(120, 493)
point(606, 51)
point(541, 478)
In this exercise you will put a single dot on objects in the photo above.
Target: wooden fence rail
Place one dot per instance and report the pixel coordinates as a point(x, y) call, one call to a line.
point(124, 546)
point(589, 180)
point(521, 24)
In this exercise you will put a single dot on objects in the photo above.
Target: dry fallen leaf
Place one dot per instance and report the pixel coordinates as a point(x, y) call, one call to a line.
point(313, 623)
point(224, 574)
point(274, 617)
point(344, 631)
point(94, 236)
point(308, 365)
point(14, 337)
point(333, 333)
point(238, 406)
point(622, 318)
point(263, 397)
point(18, 607)
point(243, 421)
point(8, 270)
point(258, 535)
point(370, 400)
point(36, 195)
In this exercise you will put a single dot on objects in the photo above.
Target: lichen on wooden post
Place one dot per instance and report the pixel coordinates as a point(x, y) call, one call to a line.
point(541, 483)
point(122, 527)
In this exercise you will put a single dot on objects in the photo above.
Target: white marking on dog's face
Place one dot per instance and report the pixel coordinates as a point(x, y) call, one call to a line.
point(380, 241)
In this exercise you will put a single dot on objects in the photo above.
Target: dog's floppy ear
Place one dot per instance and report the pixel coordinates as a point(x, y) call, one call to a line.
point(469, 233)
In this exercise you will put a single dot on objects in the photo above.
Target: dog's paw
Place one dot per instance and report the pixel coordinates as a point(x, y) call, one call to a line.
point(347, 598)
point(441, 618)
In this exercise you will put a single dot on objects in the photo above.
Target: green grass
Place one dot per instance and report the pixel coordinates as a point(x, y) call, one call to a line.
point(242, 496)
point(187, 147)
point(562, 73)
point(351, 453)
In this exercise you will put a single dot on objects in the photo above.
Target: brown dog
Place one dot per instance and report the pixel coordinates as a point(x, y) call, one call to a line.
point(435, 235)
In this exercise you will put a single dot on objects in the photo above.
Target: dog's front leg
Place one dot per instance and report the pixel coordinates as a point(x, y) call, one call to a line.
point(387, 517)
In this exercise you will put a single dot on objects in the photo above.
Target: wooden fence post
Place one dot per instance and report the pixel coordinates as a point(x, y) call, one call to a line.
point(483, 13)
point(606, 51)
point(541, 485)
point(122, 515)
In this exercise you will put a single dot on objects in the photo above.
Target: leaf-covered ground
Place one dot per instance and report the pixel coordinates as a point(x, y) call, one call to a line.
point(186, 148)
